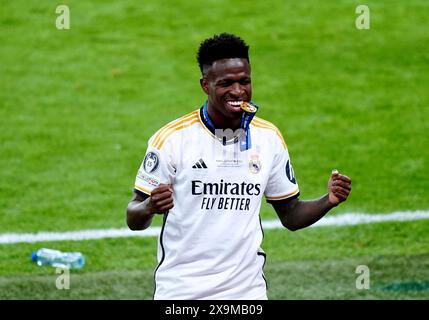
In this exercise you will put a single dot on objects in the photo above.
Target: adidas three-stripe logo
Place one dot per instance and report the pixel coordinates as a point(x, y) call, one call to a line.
point(199, 164)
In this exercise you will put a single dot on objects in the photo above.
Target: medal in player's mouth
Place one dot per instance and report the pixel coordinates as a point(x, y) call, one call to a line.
point(234, 105)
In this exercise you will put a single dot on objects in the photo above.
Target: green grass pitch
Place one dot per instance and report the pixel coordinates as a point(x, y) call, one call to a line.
point(77, 107)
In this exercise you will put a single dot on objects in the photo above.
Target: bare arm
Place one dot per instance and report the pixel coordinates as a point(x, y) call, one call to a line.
point(298, 214)
point(140, 211)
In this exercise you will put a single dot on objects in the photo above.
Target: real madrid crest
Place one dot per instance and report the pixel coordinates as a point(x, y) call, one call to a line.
point(254, 164)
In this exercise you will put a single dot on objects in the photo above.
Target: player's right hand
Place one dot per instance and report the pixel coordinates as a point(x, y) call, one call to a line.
point(161, 199)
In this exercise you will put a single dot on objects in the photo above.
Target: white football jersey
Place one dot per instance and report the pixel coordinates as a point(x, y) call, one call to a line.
point(210, 242)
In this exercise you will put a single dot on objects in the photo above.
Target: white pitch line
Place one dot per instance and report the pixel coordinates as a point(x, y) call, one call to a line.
point(340, 220)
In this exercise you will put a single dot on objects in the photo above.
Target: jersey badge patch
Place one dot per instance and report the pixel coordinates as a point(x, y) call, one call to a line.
point(289, 172)
point(254, 164)
point(150, 162)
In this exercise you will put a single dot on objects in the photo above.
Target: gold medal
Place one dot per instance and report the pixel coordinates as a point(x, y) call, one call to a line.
point(248, 107)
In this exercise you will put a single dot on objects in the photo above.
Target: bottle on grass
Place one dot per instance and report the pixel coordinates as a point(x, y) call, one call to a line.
point(59, 259)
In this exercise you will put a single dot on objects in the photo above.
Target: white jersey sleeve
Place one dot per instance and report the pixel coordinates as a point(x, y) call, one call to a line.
point(281, 183)
point(157, 167)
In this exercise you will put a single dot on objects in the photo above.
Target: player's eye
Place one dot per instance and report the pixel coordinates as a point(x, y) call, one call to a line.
point(225, 83)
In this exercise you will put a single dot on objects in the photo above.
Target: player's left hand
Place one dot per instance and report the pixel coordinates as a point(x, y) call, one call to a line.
point(339, 187)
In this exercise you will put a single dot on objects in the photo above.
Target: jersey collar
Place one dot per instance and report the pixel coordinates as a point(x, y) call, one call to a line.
point(209, 126)
point(205, 118)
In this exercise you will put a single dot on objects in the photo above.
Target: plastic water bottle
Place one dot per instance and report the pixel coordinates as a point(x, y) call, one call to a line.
point(59, 259)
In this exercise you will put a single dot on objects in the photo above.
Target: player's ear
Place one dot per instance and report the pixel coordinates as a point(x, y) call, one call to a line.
point(204, 85)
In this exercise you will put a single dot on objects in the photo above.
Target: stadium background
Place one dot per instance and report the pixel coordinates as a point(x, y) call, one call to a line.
point(77, 107)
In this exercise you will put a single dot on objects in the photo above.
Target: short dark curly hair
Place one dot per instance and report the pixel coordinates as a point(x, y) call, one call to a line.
point(222, 46)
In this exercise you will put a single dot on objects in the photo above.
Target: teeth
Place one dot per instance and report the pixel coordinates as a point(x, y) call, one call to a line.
point(235, 103)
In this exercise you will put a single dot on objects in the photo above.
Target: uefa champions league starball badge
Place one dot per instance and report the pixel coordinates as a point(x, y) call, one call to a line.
point(254, 164)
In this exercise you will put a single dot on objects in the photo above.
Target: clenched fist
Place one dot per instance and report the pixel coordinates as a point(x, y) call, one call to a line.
point(339, 187)
point(161, 199)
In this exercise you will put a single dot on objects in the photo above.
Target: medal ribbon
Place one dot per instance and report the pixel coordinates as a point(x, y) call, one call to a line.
point(246, 119)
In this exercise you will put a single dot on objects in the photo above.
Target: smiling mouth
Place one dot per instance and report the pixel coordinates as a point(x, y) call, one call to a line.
point(235, 105)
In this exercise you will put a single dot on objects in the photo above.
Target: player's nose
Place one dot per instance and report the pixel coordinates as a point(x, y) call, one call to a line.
point(237, 90)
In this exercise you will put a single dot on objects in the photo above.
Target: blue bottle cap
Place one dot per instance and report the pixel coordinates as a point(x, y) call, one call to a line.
point(34, 256)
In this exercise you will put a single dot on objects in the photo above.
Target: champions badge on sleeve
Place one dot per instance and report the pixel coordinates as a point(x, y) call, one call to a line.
point(151, 162)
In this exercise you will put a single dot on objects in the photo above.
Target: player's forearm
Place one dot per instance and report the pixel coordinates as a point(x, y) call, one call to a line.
point(139, 215)
point(301, 214)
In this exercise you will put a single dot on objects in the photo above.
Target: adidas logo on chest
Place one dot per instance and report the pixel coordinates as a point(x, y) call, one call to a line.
point(200, 164)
